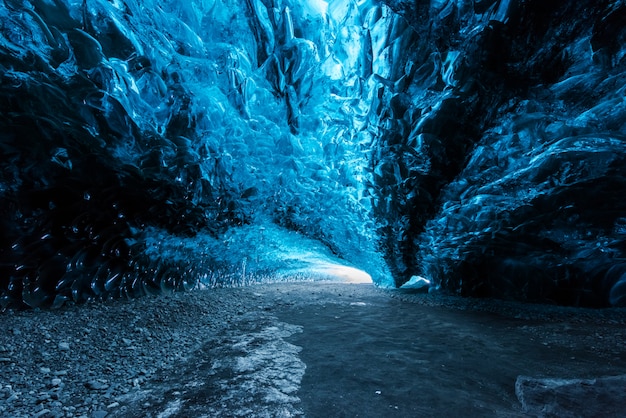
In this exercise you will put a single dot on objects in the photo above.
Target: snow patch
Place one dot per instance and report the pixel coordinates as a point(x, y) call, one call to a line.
point(171, 409)
point(260, 375)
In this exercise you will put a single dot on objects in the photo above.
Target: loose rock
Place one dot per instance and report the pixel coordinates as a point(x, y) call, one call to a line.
point(95, 385)
point(42, 413)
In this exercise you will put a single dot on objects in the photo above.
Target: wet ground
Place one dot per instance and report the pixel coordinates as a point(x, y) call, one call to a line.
point(379, 356)
point(334, 350)
point(337, 350)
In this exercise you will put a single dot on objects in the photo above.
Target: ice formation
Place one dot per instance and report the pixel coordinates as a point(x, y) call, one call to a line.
point(158, 145)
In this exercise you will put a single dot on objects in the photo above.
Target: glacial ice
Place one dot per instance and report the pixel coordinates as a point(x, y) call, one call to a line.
point(146, 134)
point(147, 145)
point(570, 397)
point(501, 175)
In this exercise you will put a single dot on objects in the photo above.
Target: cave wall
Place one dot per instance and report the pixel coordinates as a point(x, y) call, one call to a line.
point(500, 166)
point(479, 144)
point(152, 146)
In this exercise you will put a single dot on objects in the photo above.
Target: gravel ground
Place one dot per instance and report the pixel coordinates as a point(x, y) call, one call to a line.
point(80, 361)
point(93, 360)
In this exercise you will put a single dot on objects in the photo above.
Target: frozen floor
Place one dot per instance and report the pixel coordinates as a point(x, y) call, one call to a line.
point(315, 349)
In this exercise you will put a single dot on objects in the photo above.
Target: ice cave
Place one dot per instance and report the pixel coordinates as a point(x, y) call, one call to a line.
point(158, 145)
point(471, 148)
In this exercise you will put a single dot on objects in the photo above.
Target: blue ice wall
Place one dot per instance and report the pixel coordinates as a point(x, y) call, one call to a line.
point(152, 145)
point(501, 170)
point(157, 145)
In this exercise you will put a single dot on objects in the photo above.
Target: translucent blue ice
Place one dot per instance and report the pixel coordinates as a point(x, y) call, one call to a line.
point(156, 145)
point(225, 115)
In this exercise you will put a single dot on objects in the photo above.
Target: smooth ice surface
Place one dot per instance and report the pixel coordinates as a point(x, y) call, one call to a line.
point(416, 283)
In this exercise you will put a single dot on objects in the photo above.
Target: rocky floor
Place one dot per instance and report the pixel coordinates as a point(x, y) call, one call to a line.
point(79, 361)
point(281, 349)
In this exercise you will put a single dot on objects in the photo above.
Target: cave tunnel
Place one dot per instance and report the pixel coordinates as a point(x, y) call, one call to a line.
point(469, 148)
point(150, 146)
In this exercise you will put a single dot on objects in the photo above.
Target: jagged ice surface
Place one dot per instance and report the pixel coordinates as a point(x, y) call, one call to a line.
point(137, 134)
point(502, 169)
point(158, 145)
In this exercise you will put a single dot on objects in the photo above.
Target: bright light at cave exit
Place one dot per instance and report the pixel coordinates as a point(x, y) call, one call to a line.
point(343, 273)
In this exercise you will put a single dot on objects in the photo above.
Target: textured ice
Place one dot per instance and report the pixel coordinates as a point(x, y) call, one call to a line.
point(479, 145)
point(260, 374)
point(502, 160)
point(553, 397)
point(138, 136)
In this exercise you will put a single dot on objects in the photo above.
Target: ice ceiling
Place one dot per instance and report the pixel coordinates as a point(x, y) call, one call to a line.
point(157, 145)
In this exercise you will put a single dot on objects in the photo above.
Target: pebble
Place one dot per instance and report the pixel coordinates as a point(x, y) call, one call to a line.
point(44, 369)
point(56, 382)
point(99, 414)
point(95, 385)
point(43, 398)
point(63, 346)
point(42, 413)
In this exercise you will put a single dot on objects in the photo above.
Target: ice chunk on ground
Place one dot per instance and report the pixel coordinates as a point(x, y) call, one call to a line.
point(547, 397)
point(416, 283)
